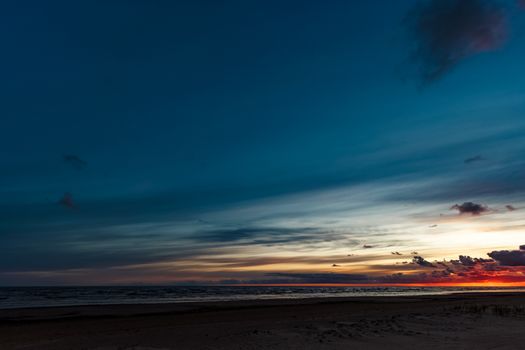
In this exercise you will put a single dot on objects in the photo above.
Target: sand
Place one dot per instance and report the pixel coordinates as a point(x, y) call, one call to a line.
point(466, 321)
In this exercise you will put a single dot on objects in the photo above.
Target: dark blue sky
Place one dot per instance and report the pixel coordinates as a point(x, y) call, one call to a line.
point(203, 125)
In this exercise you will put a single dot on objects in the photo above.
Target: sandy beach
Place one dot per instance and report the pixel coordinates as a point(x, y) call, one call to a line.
point(466, 321)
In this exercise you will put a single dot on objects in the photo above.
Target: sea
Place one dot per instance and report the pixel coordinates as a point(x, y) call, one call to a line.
point(31, 297)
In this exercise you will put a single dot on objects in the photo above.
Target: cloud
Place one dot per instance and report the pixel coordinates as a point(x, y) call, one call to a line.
point(509, 257)
point(319, 277)
point(75, 161)
point(67, 200)
point(260, 235)
point(367, 246)
point(470, 208)
point(418, 260)
point(510, 207)
point(449, 31)
point(465, 269)
point(473, 159)
point(467, 260)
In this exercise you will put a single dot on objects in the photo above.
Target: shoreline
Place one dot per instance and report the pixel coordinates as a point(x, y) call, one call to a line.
point(269, 299)
point(154, 308)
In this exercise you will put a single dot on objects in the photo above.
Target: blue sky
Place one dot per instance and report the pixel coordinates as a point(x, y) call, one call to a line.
point(201, 142)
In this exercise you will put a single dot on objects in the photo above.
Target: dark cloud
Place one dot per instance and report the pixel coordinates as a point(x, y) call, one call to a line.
point(467, 260)
point(319, 277)
point(449, 31)
point(367, 246)
point(261, 235)
point(67, 200)
point(473, 159)
point(470, 208)
point(509, 257)
point(75, 161)
point(418, 260)
point(510, 207)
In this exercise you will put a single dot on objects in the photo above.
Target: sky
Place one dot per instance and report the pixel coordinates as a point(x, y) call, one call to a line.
point(262, 142)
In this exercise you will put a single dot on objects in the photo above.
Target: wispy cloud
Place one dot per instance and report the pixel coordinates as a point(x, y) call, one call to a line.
point(318, 277)
point(75, 161)
point(260, 235)
point(67, 201)
point(473, 159)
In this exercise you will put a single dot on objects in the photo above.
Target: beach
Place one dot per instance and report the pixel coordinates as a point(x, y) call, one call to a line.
point(456, 321)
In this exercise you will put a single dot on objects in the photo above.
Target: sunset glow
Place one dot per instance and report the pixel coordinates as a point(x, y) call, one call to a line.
point(241, 143)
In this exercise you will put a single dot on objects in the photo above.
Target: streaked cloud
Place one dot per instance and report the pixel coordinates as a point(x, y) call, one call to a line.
point(318, 278)
point(75, 161)
point(473, 159)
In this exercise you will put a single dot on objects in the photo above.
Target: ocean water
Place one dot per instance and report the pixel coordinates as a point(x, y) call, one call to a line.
point(23, 297)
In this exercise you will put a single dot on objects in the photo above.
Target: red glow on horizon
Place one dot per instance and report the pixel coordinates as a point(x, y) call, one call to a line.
point(436, 284)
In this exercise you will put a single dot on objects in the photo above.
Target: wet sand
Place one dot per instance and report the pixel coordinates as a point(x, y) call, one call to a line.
point(466, 321)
